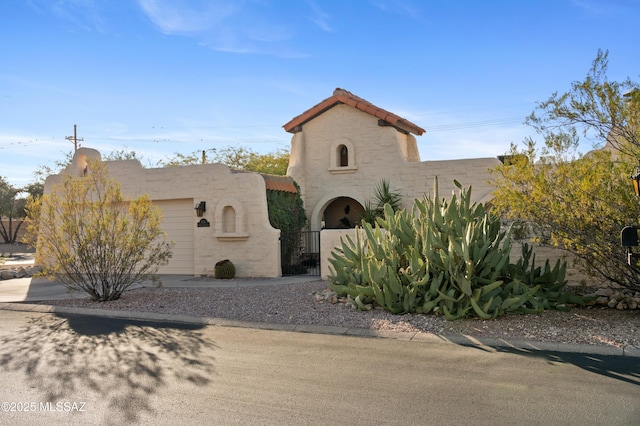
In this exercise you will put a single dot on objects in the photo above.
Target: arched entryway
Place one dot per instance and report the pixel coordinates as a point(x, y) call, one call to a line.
point(342, 213)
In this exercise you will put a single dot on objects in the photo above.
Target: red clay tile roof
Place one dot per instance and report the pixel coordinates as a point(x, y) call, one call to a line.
point(341, 96)
point(279, 183)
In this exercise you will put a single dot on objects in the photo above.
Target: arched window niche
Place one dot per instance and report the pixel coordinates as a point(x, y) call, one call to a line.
point(343, 159)
point(230, 220)
point(343, 155)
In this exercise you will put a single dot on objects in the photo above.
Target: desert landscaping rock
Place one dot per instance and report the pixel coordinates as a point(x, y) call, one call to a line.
point(621, 299)
point(311, 303)
point(19, 272)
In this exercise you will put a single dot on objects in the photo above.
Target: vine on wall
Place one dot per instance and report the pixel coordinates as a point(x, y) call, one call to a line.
point(287, 213)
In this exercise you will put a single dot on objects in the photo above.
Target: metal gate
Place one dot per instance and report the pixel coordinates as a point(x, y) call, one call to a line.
point(300, 253)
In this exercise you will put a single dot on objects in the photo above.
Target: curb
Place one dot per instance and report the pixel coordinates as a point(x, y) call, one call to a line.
point(524, 346)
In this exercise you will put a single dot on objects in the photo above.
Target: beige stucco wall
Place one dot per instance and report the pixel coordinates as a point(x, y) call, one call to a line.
point(253, 246)
point(375, 152)
point(329, 241)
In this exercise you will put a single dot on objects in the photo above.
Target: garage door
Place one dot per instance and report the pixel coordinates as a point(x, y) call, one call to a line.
point(177, 222)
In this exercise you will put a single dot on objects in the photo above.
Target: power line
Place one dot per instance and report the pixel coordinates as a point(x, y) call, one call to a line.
point(74, 138)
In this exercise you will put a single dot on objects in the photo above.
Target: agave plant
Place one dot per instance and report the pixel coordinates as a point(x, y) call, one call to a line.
point(448, 257)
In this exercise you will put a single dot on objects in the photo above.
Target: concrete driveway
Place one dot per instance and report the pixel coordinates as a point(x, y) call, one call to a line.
point(41, 289)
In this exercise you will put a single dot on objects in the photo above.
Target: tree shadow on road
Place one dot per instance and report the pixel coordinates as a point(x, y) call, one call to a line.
point(624, 368)
point(121, 363)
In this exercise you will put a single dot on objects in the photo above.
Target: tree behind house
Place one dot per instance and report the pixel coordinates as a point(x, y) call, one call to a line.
point(90, 238)
point(579, 203)
point(11, 211)
point(235, 157)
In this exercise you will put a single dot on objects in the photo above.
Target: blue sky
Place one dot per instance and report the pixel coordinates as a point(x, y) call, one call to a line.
point(167, 76)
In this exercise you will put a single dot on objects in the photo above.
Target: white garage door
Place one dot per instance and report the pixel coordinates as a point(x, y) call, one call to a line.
point(177, 222)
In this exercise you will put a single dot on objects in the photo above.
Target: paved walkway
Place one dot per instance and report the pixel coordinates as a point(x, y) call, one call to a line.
point(39, 289)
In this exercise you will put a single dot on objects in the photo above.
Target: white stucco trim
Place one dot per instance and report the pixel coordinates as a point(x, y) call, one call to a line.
point(240, 220)
point(343, 170)
point(334, 163)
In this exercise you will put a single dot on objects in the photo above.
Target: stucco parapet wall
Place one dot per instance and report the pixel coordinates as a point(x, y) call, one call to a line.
point(182, 181)
point(236, 216)
point(330, 239)
point(473, 172)
point(170, 182)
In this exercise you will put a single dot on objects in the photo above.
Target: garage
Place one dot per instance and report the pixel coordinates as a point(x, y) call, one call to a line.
point(177, 222)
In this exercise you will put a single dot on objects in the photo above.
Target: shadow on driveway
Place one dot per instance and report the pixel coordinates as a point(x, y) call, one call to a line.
point(618, 367)
point(122, 363)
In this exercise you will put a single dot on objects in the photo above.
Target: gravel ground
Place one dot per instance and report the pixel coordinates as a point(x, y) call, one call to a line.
point(297, 304)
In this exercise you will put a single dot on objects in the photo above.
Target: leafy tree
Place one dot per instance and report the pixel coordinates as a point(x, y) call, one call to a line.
point(574, 202)
point(43, 171)
point(34, 189)
point(601, 110)
point(239, 157)
point(184, 160)
point(89, 237)
point(122, 154)
point(11, 208)
point(273, 163)
point(13, 200)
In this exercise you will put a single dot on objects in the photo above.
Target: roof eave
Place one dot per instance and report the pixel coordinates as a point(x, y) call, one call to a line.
point(347, 98)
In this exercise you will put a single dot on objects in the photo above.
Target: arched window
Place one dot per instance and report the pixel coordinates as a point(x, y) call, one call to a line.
point(343, 156)
point(228, 220)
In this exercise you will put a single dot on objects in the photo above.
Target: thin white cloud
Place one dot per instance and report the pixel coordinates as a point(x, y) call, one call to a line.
point(225, 25)
point(186, 18)
point(591, 7)
point(269, 33)
point(400, 7)
point(18, 81)
point(599, 9)
point(85, 14)
point(320, 17)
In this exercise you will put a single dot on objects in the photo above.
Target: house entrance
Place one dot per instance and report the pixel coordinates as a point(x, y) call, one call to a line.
point(300, 253)
point(343, 213)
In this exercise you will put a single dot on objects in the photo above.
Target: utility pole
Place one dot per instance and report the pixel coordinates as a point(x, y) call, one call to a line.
point(74, 138)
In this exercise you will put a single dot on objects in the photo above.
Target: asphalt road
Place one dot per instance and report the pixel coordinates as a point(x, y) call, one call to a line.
point(67, 369)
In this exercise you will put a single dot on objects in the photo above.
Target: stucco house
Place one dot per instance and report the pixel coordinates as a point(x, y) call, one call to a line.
point(233, 223)
point(340, 149)
point(343, 146)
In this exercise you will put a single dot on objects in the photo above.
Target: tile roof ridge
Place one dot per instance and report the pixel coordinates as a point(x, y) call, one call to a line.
point(343, 96)
point(342, 92)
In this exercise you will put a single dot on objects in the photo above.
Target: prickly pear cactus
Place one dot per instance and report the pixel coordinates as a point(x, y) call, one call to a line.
point(447, 257)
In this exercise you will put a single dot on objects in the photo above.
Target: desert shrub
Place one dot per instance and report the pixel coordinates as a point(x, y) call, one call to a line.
point(447, 257)
point(93, 240)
